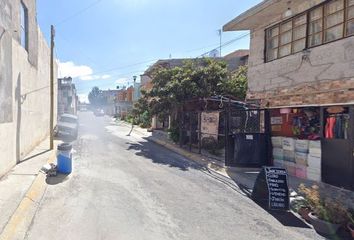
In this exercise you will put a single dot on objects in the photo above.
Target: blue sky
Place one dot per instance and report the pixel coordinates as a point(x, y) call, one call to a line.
point(105, 43)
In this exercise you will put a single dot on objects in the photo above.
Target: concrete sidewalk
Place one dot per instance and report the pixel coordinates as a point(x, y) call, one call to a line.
point(21, 191)
point(243, 177)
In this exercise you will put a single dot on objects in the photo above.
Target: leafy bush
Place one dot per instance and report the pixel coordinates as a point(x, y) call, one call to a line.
point(145, 120)
point(326, 209)
point(212, 145)
point(173, 133)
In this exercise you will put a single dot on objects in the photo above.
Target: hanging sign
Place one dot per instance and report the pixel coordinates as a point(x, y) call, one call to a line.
point(276, 120)
point(271, 188)
point(210, 124)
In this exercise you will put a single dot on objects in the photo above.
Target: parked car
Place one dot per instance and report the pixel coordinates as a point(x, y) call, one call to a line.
point(67, 125)
point(99, 112)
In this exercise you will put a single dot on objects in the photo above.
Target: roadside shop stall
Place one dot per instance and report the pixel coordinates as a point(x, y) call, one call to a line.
point(314, 143)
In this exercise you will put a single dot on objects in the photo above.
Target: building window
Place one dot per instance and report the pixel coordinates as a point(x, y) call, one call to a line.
point(24, 26)
point(325, 23)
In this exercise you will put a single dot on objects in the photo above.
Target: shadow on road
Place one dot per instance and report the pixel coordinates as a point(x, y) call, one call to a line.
point(161, 155)
point(55, 180)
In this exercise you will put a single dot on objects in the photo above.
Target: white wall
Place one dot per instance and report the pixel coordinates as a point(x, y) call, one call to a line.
point(30, 104)
point(33, 120)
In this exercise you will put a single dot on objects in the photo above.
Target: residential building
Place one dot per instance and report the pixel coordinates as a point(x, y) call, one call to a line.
point(137, 91)
point(111, 97)
point(236, 59)
point(24, 81)
point(67, 96)
point(124, 103)
point(301, 68)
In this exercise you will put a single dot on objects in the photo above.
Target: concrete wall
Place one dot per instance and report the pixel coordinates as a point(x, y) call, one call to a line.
point(26, 78)
point(326, 63)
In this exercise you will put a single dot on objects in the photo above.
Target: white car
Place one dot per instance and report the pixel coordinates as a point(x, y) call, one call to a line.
point(67, 125)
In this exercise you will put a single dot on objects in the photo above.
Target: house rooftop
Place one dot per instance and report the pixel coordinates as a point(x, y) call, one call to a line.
point(237, 54)
point(263, 12)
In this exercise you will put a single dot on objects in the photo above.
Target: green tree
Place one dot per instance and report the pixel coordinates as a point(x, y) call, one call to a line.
point(141, 112)
point(236, 85)
point(96, 97)
point(195, 79)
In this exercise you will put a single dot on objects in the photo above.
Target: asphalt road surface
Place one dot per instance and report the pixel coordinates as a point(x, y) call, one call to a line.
point(126, 188)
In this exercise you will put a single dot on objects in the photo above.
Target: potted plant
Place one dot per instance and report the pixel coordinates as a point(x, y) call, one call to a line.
point(304, 212)
point(327, 215)
point(302, 207)
point(350, 224)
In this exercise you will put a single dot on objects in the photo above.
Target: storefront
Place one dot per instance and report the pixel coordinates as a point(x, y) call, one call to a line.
point(315, 142)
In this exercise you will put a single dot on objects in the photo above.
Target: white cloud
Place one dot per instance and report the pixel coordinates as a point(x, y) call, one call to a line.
point(106, 76)
point(70, 69)
point(83, 72)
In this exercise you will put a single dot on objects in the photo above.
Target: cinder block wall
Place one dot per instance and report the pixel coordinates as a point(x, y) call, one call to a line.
point(293, 80)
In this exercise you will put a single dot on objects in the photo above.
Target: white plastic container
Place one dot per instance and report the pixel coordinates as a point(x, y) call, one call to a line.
point(277, 142)
point(278, 163)
point(315, 144)
point(301, 158)
point(289, 144)
point(314, 162)
point(302, 146)
point(278, 153)
point(289, 156)
point(314, 175)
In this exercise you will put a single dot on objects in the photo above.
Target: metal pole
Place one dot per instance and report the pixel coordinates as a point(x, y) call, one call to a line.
point(199, 132)
point(51, 124)
point(190, 131)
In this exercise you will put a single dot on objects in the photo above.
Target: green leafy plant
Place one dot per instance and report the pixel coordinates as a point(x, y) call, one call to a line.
point(173, 133)
point(212, 145)
point(326, 209)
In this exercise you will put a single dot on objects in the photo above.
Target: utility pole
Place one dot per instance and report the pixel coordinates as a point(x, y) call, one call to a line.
point(220, 35)
point(51, 124)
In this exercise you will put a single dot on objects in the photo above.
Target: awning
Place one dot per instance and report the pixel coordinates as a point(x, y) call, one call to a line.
point(264, 12)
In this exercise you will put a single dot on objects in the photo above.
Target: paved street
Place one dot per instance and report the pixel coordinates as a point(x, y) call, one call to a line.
point(124, 187)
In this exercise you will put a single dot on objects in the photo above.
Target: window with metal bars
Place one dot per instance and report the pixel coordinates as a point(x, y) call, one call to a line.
point(327, 22)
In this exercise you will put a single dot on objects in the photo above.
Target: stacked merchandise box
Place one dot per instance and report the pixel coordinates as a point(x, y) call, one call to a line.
point(301, 156)
point(288, 145)
point(278, 153)
point(314, 161)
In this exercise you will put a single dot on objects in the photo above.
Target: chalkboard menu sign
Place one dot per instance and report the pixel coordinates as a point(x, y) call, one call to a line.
point(271, 188)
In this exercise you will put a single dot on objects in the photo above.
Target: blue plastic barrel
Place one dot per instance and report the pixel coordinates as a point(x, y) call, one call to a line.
point(64, 158)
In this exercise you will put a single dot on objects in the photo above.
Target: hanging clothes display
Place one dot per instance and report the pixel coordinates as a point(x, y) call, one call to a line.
point(331, 121)
point(337, 126)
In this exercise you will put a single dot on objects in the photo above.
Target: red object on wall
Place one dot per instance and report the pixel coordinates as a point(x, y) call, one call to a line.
point(286, 127)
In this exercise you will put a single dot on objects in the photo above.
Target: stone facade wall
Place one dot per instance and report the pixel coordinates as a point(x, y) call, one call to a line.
point(324, 93)
point(302, 78)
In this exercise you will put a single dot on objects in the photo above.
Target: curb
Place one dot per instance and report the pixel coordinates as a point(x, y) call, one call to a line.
point(22, 218)
point(193, 157)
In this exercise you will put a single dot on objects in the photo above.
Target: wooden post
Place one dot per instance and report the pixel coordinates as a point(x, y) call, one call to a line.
point(51, 124)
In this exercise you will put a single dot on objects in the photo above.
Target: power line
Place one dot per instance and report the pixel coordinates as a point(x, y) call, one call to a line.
point(226, 44)
point(156, 59)
point(79, 12)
